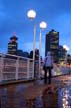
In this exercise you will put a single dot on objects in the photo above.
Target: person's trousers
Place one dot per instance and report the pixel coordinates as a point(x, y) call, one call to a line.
point(45, 75)
point(49, 81)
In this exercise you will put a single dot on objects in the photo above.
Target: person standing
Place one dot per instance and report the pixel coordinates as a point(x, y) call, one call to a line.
point(48, 66)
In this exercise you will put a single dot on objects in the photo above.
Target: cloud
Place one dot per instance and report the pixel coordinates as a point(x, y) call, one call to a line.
point(13, 18)
point(2, 11)
point(29, 46)
point(2, 14)
point(15, 14)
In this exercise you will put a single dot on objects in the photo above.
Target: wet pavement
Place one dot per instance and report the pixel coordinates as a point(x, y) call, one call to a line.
point(64, 97)
point(12, 96)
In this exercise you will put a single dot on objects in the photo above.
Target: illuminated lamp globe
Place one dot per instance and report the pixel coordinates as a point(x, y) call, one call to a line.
point(31, 14)
point(43, 25)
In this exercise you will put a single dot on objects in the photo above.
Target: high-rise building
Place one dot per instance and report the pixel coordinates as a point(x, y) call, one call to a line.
point(62, 54)
point(12, 45)
point(52, 44)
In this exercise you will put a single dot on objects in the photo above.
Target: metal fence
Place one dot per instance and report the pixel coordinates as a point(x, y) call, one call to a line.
point(15, 67)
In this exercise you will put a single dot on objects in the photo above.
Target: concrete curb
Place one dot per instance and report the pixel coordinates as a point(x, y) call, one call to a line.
point(10, 82)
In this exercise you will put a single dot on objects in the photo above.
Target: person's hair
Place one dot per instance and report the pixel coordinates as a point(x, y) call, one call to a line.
point(48, 53)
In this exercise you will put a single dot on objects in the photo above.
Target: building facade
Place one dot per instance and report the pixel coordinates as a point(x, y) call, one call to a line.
point(52, 44)
point(62, 54)
point(13, 46)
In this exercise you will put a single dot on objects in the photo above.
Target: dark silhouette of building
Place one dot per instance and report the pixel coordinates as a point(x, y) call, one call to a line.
point(52, 44)
point(13, 46)
point(23, 54)
point(36, 54)
point(68, 59)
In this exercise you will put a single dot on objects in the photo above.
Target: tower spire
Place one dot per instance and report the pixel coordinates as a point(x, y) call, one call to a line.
point(14, 33)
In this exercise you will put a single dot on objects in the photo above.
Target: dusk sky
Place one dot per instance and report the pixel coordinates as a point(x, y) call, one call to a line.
point(13, 18)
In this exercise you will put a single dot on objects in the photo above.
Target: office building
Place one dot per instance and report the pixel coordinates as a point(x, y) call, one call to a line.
point(62, 54)
point(12, 45)
point(52, 44)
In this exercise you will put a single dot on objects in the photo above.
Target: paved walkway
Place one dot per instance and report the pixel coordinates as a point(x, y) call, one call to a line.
point(31, 91)
point(40, 89)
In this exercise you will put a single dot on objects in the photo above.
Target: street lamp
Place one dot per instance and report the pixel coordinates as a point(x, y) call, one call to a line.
point(31, 14)
point(43, 25)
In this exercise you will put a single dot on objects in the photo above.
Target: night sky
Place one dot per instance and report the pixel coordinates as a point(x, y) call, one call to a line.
point(13, 18)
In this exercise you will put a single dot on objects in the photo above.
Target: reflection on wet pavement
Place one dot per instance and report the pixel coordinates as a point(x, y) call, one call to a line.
point(64, 97)
point(12, 97)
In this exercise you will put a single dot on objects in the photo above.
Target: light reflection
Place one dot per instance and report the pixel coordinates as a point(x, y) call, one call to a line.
point(64, 106)
point(65, 98)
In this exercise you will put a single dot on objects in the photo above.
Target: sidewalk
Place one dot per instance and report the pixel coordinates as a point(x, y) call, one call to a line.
point(47, 92)
point(12, 94)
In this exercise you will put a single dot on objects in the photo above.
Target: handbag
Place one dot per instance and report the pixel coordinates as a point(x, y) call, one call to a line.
point(51, 67)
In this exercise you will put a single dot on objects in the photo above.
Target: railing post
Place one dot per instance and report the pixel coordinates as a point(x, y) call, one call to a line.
point(33, 69)
point(1, 72)
point(28, 75)
point(17, 67)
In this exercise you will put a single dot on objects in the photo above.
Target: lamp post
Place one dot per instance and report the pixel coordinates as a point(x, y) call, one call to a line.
point(31, 14)
point(43, 25)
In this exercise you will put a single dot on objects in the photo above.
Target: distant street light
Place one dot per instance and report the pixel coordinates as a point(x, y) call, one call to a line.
point(43, 25)
point(66, 47)
point(32, 15)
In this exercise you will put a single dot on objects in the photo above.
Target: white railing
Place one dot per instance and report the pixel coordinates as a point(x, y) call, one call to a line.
point(58, 69)
point(15, 67)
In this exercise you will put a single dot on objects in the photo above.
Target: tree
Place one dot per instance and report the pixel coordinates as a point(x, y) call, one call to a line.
point(36, 54)
point(31, 55)
point(68, 59)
